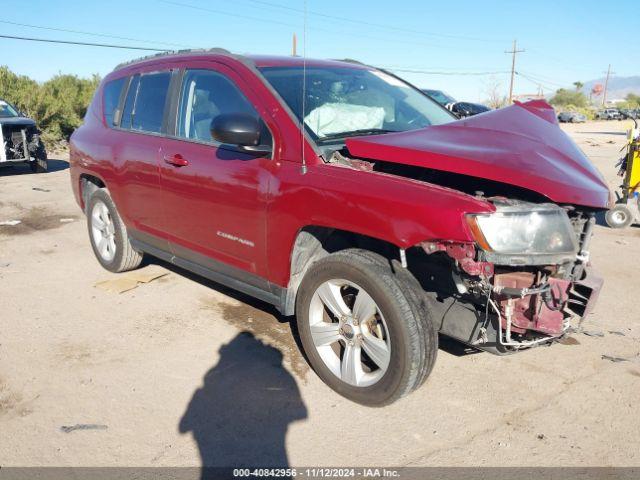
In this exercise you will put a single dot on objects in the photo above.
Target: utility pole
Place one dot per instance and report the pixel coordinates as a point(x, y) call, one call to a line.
point(294, 46)
point(513, 68)
point(606, 85)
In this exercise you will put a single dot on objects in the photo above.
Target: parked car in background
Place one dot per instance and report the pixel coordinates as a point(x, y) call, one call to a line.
point(21, 140)
point(571, 117)
point(609, 114)
point(629, 113)
point(440, 97)
point(374, 216)
point(468, 109)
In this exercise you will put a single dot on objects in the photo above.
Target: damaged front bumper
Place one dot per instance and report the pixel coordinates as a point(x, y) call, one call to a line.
point(504, 323)
point(19, 143)
point(503, 308)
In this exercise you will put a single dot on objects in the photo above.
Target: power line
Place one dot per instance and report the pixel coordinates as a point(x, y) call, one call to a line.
point(229, 14)
point(94, 34)
point(535, 82)
point(388, 27)
point(372, 24)
point(540, 78)
point(87, 44)
point(323, 30)
point(528, 76)
point(129, 47)
point(559, 61)
point(432, 72)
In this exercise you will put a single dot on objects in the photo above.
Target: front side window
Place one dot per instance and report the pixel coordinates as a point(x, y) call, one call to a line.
point(111, 98)
point(343, 102)
point(205, 95)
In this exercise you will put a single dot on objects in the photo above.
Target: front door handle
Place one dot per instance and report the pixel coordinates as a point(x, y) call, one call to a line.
point(176, 160)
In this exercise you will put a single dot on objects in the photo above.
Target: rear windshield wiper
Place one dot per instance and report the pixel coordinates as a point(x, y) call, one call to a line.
point(355, 133)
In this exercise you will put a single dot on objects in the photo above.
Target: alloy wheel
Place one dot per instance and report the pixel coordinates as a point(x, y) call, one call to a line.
point(103, 231)
point(349, 332)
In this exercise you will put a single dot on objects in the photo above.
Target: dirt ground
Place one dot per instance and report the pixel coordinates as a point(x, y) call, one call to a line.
point(161, 375)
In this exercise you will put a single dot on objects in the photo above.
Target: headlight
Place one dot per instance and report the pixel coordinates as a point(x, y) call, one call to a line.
point(524, 230)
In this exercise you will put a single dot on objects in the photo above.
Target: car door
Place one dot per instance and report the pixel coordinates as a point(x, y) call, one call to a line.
point(137, 143)
point(215, 196)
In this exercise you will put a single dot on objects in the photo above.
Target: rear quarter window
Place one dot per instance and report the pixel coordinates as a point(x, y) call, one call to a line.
point(111, 99)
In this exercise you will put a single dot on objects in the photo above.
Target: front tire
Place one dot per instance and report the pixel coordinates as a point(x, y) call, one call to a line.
point(108, 235)
point(363, 329)
point(40, 164)
point(619, 216)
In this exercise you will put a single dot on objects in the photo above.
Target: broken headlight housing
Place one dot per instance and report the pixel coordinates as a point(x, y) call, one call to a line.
point(525, 233)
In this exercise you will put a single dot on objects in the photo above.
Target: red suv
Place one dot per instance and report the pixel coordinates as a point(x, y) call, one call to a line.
point(346, 197)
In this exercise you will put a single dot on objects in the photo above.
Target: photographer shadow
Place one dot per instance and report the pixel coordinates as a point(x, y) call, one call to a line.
point(240, 415)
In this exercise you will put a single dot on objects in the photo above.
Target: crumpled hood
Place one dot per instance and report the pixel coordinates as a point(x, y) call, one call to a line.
point(519, 145)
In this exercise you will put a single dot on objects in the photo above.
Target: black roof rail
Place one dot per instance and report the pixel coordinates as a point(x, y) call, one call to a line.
point(350, 60)
point(167, 53)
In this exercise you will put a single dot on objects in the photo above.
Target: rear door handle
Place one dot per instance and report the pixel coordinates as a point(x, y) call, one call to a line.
point(176, 160)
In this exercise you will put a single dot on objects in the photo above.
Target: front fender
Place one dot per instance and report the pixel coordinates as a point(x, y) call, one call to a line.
point(395, 209)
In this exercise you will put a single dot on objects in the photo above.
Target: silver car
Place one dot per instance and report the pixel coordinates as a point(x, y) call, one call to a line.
point(571, 117)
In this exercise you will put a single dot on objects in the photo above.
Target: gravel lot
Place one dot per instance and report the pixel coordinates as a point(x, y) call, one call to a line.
point(162, 375)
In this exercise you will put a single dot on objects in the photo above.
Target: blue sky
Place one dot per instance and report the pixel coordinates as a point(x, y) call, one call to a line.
point(564, 41)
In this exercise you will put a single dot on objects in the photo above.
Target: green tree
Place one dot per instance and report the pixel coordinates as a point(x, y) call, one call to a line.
point(564, 97)
point(578, 85)
point(633, 100)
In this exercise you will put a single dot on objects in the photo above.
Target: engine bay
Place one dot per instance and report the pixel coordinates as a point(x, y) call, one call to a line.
point(502, 301)
point(20, 142)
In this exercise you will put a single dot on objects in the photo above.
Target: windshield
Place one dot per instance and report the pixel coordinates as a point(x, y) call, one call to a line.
point(440, 97)
point(7, 110)
point(344, 102)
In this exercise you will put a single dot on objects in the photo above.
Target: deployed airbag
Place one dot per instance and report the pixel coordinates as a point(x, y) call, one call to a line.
point(340, 117)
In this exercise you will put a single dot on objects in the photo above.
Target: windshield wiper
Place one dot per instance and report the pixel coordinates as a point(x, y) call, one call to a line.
point(356, 133)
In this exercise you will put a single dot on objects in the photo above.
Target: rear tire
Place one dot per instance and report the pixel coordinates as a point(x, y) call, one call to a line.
point(391, 331)
point(619, 216)
point(108, 235)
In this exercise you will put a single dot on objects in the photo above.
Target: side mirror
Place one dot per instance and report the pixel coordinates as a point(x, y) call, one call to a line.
point(239, 129)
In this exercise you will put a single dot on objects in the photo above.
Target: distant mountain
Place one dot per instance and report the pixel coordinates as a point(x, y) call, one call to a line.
point(618, 87)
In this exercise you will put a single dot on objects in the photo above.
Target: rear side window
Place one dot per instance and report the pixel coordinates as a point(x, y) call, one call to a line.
point(111, 99)
point(145, 102)
point(205, 95)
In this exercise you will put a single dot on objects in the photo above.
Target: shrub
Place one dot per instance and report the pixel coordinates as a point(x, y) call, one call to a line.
point(57, 105)
point(564, 97)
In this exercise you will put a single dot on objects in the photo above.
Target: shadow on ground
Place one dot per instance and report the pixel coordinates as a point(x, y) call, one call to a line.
point(250, 314)
point(240, 415)
point(263, 313)
point(24, 168)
